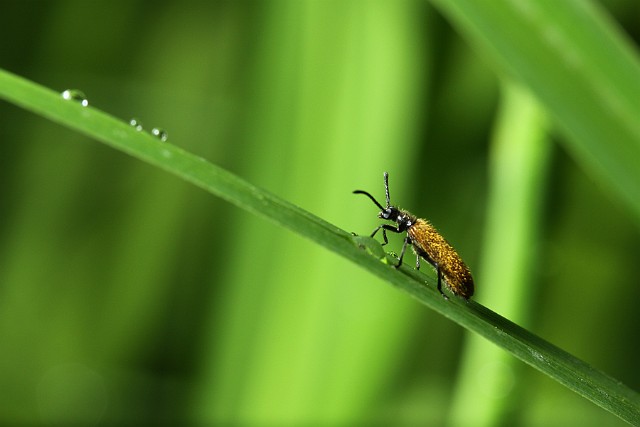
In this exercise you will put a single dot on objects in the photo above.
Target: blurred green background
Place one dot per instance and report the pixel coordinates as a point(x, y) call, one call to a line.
point(128, 296)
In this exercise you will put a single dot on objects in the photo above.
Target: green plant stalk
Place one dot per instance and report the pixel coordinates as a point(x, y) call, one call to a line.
point(520, 153)
point(244, 368)
point(579, 66)
point(578, 376)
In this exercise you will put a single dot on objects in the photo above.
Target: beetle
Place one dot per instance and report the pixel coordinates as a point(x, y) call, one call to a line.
point(427, 243)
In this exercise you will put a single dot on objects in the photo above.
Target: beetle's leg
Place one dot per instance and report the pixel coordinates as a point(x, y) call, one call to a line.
point(407, 240)
point(384, 234)
point(384, 228)
point(439, 272)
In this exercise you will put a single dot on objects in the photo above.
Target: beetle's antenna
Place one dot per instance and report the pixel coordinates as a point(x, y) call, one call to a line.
point(386, 188)
point(370, 196)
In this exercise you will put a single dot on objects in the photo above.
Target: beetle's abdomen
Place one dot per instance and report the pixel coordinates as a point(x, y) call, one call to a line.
point(430, 245)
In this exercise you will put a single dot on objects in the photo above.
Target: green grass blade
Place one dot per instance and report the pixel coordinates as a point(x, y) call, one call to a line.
point(563, 367)
point(581, 69)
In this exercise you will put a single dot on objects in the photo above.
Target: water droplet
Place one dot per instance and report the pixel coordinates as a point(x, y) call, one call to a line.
point(161, 134)
point(354, 234)
point(75, 95)
point(137, 124)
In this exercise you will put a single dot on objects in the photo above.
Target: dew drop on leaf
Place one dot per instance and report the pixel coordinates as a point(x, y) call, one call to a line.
point(75, 95)
point(137, 124)
point(161, 134)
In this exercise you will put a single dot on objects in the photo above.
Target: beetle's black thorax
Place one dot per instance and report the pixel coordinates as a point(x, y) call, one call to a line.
point(401, 217)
